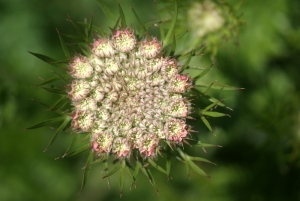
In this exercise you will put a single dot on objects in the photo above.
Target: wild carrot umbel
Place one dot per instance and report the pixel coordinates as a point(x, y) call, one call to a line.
point(128, 94)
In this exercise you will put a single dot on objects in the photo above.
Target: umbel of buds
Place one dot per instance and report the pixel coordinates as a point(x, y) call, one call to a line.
point(128, 96)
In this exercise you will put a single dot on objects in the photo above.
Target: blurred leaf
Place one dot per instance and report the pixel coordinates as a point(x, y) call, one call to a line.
point(200, 144)
point(203, 73)
point(142, 27)
point(161, 29)
point(109, 14)
point(51, 80)
point(48, 60)
point(56, 91)
point(60, 128)
point(148, 174)
point(207, 123)
point(156, 166)
point(86, 170)
point(197, 168)
point(113, 171)
point(89, 30)
point(217, 86)
point(122, 17)
point(46, 122)
point(78, 28)
point(63, 45)
point(213, 114)
point(172, 26)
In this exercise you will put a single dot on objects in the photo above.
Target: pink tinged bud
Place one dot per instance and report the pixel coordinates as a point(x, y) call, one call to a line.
point(98, 94)
point(117, 85)
point(124, 41)
point(97, 63)
point(111, 67)
point(81, 68)
point(169, 70)
point(150, 49)
point(157, 129)
point(155, 80)
point(125, 124)
point(103, 48)
point(102, 142)
point(178, 109)
point(86, 104)
point(175, 129)
point(80, 89)
point(147, 144)
point(103, 114)
point(112, 96)
point(121, 147)
point(179, 84)
point(154, 65)
point(85, 121)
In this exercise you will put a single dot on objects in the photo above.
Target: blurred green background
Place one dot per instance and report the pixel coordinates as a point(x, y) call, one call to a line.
point(260, 157)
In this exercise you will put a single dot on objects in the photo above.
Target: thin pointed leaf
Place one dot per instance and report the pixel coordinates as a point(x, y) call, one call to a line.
point(152, 23)
point(203, 73)
point(53, 107)
point(148, 174)
point(136, 171)
point(200, 144)
point(130, 174)
point(218, 86)
point(207, 124)
point(187, 168)
point(187, 55)
point(109, 14)
point(76, 38)
point(173, 48)
point(47, 59)
point(142, 27)
point(70, 146)
point(77, 151)
point(52, 90)
point(113, 171)
point(213, 114)
point(197, 168)
point(77, 27)
point(172, 26)
point(188, 61)
point(90, 27)
point(63, 45)
point(60, 128)
point(46, 123)
point(168, 165)
point(51, 80)
point(86, 171)
point(156, 166)
point(121, 181)
point(200, 159)
point(122, 17)
point(161, 29)
point(210, 106)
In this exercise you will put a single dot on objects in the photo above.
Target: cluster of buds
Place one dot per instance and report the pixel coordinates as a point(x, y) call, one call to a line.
point(206, 17)
point(128, 96)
